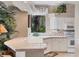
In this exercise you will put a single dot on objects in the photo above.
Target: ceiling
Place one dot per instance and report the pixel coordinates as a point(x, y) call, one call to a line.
point(47, 2)
point(50, 2)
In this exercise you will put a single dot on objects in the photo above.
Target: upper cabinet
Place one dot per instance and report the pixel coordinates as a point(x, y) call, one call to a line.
point(60, 22)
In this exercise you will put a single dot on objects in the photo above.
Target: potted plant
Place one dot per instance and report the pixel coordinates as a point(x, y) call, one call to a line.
point(60, 9)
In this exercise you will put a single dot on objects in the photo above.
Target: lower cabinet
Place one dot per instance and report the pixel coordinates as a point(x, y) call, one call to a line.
point(20, 54)
point(57, 44)
point(30, 53)
point(26, 53)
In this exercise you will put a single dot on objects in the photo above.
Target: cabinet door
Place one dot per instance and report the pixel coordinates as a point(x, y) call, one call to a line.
point(53, 21)
point(56, 44)
point(20, 53)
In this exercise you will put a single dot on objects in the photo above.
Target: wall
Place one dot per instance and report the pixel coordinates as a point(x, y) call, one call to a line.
point(22, 23)
point(77, 28)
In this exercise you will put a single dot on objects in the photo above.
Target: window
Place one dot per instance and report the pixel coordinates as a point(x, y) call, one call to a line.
point(38, 23)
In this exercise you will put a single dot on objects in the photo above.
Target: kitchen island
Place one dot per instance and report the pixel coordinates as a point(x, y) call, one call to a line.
point(23, 48)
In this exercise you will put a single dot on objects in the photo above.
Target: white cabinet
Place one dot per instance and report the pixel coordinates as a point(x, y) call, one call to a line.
point(30, 53)
point(60, 22)
point(20, 54)
point(56, 44)
point(53, 21)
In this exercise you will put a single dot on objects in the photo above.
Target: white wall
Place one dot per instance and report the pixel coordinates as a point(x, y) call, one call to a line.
point(77, 28)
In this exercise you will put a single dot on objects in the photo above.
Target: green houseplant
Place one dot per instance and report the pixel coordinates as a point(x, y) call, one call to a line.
point(60, 9)
point(7, 19)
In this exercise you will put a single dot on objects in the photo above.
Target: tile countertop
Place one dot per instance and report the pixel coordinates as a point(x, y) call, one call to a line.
point(22, 44)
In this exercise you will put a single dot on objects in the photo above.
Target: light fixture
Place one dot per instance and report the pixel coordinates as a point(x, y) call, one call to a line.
point(2, 29)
